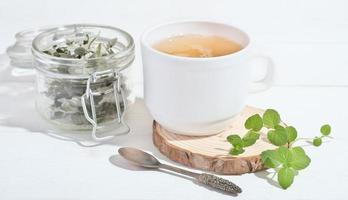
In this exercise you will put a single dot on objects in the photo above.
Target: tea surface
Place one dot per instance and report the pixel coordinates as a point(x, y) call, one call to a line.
point(194, 45)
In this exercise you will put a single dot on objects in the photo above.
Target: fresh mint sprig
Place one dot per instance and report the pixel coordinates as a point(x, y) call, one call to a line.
point(286, 159)
point(325, 131)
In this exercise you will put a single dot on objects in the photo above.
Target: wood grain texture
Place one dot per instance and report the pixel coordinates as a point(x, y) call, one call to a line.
point(211, 152)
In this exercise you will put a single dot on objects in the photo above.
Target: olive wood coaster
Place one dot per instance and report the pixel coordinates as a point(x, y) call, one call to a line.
point(211, 153)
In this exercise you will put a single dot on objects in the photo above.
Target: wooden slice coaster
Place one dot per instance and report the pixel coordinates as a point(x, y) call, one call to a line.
point(212, 152)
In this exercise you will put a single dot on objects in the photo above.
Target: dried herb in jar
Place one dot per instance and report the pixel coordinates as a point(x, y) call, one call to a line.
point(63, 96)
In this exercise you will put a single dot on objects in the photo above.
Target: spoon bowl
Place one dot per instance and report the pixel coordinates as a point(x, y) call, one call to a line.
point(139, 157)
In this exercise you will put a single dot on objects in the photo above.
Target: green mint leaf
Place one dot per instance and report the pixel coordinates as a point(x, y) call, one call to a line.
point(286, 177)
point(236, 150)
point(271, 118)
point(325, 129)
point(317, 141)
point(235, 140)
point(270, 158)
point(299, 158)
point(250, 138)
point(285, 155)
point(291, 133)
point(278, 136)
point(254, 123)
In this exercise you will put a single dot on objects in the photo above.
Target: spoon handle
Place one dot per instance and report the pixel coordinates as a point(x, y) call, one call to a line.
point(179, 170)
point(207, 179)
point(219, 183)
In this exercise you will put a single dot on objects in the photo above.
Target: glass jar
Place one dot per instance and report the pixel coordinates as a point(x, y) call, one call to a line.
point(83, 94)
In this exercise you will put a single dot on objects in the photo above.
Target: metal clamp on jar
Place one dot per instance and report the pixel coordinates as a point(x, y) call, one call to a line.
point(88, 93)
point(119, 95)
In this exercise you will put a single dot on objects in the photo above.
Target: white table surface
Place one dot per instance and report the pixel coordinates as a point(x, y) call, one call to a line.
point(307, 40)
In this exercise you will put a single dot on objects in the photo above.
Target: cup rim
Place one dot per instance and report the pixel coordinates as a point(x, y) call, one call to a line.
point(153, 28)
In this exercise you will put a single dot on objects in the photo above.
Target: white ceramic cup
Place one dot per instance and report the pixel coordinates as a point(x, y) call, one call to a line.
point(199, 96)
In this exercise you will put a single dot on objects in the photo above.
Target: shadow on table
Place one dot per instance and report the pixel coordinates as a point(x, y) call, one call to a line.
point(120, 162)
point(266, 176)
point(17, 110)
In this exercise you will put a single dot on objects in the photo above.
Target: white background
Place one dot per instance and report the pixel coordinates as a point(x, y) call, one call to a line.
point(308, 40)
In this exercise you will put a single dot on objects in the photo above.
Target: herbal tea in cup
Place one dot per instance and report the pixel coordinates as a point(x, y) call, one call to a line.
point(195, 45)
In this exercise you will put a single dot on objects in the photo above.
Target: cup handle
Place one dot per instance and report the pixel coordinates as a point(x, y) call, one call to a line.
point(261, 79)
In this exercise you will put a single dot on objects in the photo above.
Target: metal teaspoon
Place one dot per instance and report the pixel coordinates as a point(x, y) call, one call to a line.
point(146, 160)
